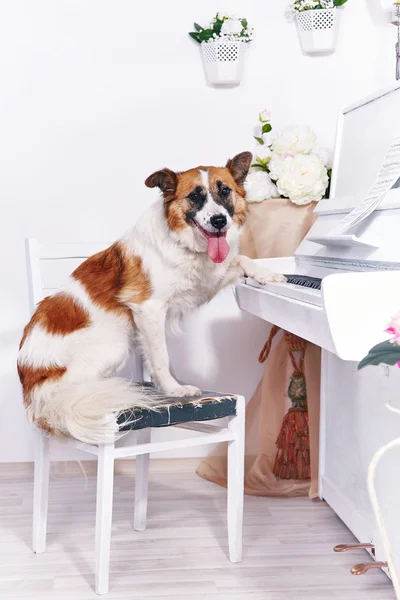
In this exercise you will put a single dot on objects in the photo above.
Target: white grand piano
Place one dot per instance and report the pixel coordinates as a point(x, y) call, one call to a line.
point(344, 290)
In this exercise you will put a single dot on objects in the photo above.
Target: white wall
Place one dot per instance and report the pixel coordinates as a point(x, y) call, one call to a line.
point(95, 95)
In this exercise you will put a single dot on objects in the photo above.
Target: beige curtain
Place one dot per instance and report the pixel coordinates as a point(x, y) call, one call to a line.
point(275, 228)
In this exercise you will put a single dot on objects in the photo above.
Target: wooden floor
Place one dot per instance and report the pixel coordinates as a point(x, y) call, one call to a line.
point(182, 555)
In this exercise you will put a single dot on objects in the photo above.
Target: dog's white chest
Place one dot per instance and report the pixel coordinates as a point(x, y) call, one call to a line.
point(195, 283)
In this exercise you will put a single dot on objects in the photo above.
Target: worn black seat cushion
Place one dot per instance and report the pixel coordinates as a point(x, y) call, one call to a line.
point(171, 411)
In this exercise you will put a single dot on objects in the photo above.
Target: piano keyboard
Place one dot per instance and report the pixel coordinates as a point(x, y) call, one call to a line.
point(305, 281)
point(298, 287)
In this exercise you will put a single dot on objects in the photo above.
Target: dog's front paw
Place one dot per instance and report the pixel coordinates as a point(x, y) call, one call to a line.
point(263, 276)
point(180, 391)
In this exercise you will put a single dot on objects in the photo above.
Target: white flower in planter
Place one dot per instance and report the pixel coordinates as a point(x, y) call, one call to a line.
point(303, 179)
point(294, 139)
point(259, 187)
point(223, 47)
point(231, 26)
point(317, 23)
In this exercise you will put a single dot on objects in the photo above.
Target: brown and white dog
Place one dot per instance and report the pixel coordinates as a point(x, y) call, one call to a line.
point(179, 254)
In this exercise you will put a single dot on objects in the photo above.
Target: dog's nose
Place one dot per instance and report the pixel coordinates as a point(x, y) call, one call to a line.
point(218, 221)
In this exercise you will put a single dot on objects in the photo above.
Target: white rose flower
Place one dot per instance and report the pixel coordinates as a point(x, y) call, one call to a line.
point(303, 179)
point(325, 154)
point(265, 115)
point(231, 26)
point(259, 187)
point(296, 139)
point(263, 152)
point(268, 138)
point(275, 165)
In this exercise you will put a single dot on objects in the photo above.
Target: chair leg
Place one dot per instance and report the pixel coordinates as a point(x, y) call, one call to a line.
point(40, 492)
point(236, 482)
point(104, 505)
point(141, 482)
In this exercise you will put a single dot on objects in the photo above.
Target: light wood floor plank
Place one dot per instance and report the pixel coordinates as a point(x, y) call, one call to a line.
point(183, 552)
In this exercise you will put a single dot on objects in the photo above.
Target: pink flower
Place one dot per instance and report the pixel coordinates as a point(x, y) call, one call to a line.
point(393, 329)
point(264, 116)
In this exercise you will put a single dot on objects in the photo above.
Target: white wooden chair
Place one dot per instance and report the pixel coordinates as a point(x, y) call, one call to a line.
point(48, 266)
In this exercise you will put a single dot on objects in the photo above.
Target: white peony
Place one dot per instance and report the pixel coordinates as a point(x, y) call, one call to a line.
point(294, 139)
point(325, 154)
point(259, 187)
point(275, 165)
point(263, 152)
point(303, 179)
point(231, 26)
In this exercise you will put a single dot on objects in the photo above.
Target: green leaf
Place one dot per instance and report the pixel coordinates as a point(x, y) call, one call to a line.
point(339, 2)
point(259, 140)
point(266, 128)
point(245, 23)
point(258, 166)
point(218, 27)
point(198, 27)
point(385, 353)
point(205, 35)
point(195, 36)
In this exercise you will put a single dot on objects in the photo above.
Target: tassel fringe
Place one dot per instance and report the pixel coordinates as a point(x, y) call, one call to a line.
point(293, 457)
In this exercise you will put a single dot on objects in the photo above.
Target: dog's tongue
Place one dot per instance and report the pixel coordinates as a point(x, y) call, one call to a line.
point(217, 248)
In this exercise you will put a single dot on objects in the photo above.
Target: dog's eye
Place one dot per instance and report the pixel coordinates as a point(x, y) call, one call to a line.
point(224, 191)
point(196, 194)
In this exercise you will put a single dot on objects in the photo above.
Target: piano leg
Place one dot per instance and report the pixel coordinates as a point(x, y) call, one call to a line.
point(354, 423)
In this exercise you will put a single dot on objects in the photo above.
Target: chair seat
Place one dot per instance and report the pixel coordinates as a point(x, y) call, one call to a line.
point(172, 411)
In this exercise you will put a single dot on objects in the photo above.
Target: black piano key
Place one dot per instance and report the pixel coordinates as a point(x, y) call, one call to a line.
point(305, 281)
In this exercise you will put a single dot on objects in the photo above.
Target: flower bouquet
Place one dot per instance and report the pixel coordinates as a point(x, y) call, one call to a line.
point(289, 165)
point(223, 45)
point(317, 23)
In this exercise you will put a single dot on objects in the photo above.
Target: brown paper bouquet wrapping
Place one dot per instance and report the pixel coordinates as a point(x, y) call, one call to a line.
point(274, 228)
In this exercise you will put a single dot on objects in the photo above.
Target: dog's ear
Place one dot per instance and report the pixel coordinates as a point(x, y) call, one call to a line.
point(239, 166)
point(165, 179)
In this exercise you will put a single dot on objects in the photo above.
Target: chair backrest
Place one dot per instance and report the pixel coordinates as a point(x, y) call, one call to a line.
point(50, 264)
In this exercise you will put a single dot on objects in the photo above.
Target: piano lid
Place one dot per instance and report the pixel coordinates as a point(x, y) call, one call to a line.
point(365, 133)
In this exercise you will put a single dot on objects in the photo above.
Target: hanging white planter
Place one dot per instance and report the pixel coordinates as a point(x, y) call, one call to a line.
point(223, 61)
point(318, 29)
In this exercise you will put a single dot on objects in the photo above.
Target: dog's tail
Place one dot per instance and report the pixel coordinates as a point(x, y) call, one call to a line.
point(88, 410)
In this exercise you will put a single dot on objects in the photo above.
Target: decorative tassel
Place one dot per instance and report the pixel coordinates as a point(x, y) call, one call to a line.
point(293, 457)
